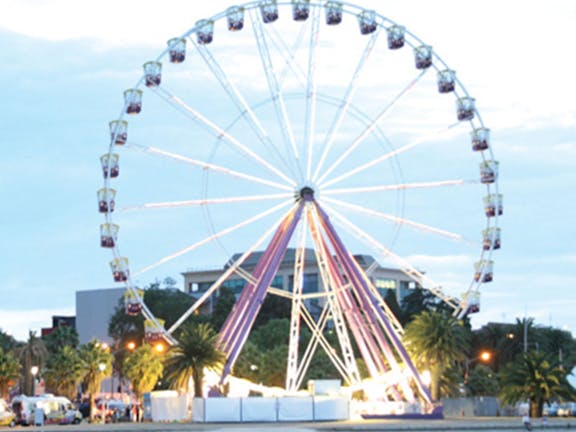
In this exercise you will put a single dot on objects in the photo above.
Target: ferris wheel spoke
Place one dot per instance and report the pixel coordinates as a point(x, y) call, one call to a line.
point(423, 280)
point(276, 94)
point(218, 131)
point(366, 132)
point(310, 119)
point(444, 131)
point(208, 166)
point(239, 101)
point(288, 54)
point(213, 237)
point(204, 202)
point(394, 219)
point(343, 109)
point(400, 186)
point(234, 267)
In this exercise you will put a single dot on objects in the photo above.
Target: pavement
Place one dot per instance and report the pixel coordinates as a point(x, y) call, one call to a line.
point(448, 424)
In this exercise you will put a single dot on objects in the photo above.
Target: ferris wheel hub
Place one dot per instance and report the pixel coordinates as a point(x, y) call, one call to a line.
point(305, 193)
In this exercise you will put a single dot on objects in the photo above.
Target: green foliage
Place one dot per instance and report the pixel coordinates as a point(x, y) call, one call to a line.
point(534, 376)
point(7, 342)
point(196, 350)
point(224, 304)
point(32, 353)
point(274, 307)
point(9, 371)
point(64, 371)
point(275, 332)
point(96, 365)
point(62, 336)
point(436, 341)
point(482, 381)
point(143, 367)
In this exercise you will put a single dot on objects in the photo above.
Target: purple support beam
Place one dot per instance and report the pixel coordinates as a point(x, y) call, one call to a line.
point(353, 315)
point(268, 267)
point(239, 310)
point(365, 296)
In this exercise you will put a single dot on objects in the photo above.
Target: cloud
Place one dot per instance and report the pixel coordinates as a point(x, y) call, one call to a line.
point(17, 323)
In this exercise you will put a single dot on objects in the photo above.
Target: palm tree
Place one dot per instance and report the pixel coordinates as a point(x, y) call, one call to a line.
point(32, 353)
point(64, 371)
point(195, 351)
point(534, 377)
point(96, 365)
point(143, 367)
point(9, 372)
point(436, 341)
point(61, 337)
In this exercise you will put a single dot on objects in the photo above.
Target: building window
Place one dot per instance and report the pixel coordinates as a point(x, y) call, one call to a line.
point(310, 283)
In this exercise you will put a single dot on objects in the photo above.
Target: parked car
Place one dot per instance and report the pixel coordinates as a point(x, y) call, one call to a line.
point(567, 409)
point(57, 409)
point(7, 417)
point(551, 410)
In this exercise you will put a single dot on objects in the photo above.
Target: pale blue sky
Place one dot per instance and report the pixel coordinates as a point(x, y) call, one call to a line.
point(66, 64)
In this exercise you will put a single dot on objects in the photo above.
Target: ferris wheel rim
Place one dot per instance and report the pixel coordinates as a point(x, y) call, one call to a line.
point(350, 9)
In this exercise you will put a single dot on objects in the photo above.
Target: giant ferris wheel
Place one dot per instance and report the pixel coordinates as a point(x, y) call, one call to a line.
point(312, 125)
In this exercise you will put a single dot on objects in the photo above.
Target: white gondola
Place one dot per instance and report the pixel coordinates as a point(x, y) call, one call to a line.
point(367, 22)
point(177, 50)
point(480, 139)
point(152, 73)
point(483, 271)
point(300, 10)
point(108, 235)
point(133, 101)
point(333, 13)
point(152, 333)
point(119, 267)
point(204, 31)
point(489, 171)
point(423, 56)
point(106, 197)
point(132, 305)
point(396, 37)
point(235, 18)
point(465, 107)
point(446, 81)
point(493, 205)
point(491, 238)
point(269, 11)
point(110, 166)
point(471, 302)
point(118, 131)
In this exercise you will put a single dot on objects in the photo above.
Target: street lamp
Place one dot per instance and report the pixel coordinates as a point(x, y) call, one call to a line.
point(484, 357)
point(34, 372)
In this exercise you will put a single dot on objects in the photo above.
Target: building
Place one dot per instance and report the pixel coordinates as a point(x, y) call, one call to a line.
point(93, 311)
point(198, 282)
point(57, 322)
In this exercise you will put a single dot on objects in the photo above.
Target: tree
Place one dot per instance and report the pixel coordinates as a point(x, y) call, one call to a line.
point(62, 336)
point(32, 353)
point(534, 377)
point(7, 342)
point(9, 371)
point(143, 367)
point(64, 371)
point(196, 350)
point(436, 341)
point(96, 365)
point(224, 304)
point(482, 381)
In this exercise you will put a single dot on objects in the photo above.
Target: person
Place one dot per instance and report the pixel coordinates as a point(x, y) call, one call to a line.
point(526, 421)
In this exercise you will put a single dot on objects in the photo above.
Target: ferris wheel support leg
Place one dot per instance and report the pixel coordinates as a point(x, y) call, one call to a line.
point(268, 267)
point(365, 297)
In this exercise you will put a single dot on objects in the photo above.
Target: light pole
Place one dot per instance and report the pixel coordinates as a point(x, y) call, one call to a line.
point(484, 357)
point(34, 372)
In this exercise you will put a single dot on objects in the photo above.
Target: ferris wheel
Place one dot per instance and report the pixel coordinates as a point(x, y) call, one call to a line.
point(312, 125)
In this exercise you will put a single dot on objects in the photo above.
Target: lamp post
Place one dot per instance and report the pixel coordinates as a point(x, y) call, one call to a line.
point(34, 372)
point(484, 357)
